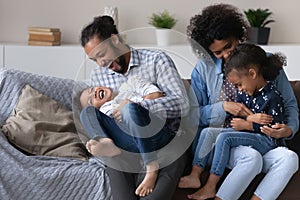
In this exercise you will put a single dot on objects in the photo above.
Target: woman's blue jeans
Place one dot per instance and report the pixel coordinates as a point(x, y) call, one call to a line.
point(220, 141)
point(228, 140)
point(139, 132)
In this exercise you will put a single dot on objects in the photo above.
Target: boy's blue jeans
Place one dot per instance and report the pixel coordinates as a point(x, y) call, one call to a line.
point(139, 132)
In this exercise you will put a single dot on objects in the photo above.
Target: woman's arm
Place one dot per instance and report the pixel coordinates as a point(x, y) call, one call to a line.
point(209, 113)
point(291, 116)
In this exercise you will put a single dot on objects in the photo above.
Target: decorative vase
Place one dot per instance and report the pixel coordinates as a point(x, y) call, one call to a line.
point(259, 35)
point(113, 12)
point(163, 36)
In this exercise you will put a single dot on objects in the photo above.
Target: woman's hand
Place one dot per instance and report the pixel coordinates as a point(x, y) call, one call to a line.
point(117, 111)
point(239, 124)
point(236, 109)
point(277, 131)
point(260, 118)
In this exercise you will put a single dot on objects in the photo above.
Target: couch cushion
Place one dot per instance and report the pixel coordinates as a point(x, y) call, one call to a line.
point(42, 126)
point(296, 88)
point(12, 81)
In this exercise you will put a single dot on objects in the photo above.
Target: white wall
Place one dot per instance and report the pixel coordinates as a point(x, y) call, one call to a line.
point(71, 15)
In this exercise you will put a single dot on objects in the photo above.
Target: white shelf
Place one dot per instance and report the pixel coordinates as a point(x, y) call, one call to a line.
point(61, 61)
point(291, 51)
point(1, 55)
point(70, 61)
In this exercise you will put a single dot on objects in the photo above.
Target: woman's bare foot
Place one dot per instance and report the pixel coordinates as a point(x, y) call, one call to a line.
point(193, 179)
point(102, 147)
point(189, 181)
point(203, 193)
point(147, 185)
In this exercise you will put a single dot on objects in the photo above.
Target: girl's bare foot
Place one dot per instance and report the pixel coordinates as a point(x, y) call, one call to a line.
point(189, 181)
point(147, 185)
point(203, 193)
point(102, 147)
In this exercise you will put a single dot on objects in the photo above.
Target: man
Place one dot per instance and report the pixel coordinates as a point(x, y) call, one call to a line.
point(117, 62)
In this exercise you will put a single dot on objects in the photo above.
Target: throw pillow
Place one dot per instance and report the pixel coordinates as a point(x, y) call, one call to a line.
point(41, 126)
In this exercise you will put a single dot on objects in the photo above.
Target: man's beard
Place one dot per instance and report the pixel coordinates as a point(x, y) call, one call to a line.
point(122, 63)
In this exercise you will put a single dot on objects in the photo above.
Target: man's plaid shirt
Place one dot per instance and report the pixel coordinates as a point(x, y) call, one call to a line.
point(156, 67)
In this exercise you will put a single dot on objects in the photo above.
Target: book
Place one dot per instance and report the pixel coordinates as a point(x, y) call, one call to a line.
point(44, 37)
point(43, 43)
point(43, 29)
point(45, 33)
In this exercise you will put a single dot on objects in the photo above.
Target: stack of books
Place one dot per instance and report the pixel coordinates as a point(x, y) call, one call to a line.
point(44, 36)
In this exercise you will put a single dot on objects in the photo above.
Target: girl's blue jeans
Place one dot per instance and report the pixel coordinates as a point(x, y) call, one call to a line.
point(222, 141)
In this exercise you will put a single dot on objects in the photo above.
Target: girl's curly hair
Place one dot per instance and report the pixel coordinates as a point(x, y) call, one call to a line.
point(247, 55)
point(216, 22)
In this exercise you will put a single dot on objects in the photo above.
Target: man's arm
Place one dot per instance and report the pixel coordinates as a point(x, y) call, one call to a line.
point(175, 102)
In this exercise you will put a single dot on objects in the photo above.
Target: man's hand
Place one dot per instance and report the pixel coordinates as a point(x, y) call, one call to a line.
point(260, 118)
point(236, 109)
point(277, 131)
point(239, 124)
point(117, 111)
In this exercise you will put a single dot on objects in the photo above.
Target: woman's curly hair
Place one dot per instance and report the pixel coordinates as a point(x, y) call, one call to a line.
point(219, 21)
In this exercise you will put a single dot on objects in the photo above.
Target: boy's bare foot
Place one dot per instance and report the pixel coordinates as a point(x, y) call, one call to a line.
point(147, 185)
point(203, 193)
point(102, 147)
point(189, 181)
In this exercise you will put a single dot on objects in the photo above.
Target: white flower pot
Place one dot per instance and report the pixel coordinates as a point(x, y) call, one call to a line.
point(163, 37)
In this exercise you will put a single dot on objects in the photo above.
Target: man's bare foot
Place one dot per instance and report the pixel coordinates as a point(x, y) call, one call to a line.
point(147, 185)
point(189, 181)
point(102, 147)
point(203, 193)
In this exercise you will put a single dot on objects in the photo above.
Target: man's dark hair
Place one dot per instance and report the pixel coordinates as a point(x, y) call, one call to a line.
point(102, 27)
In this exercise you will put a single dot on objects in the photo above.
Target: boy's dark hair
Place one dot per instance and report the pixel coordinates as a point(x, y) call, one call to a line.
point(216, 22)
point(246, 55)
point(102, 27)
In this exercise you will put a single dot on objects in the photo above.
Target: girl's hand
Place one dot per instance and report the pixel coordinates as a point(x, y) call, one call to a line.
point(239, 124)
point(236, 109)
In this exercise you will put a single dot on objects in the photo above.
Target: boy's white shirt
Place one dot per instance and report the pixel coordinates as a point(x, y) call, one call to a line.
point(134, 89)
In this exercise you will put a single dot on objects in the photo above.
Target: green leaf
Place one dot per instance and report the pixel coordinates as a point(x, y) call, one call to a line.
point(258, 17)
point(162, 20)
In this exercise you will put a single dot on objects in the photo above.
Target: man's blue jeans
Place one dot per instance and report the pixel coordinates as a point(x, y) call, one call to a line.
point(139, 132)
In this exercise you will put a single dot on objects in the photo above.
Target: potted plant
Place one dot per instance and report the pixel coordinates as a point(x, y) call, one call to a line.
point(258, 19)
point(163, 22)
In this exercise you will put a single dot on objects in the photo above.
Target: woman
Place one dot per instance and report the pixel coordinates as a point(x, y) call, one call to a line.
point(219, 29)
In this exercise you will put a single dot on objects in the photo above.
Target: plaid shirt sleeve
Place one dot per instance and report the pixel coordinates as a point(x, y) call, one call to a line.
point(175, 102)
